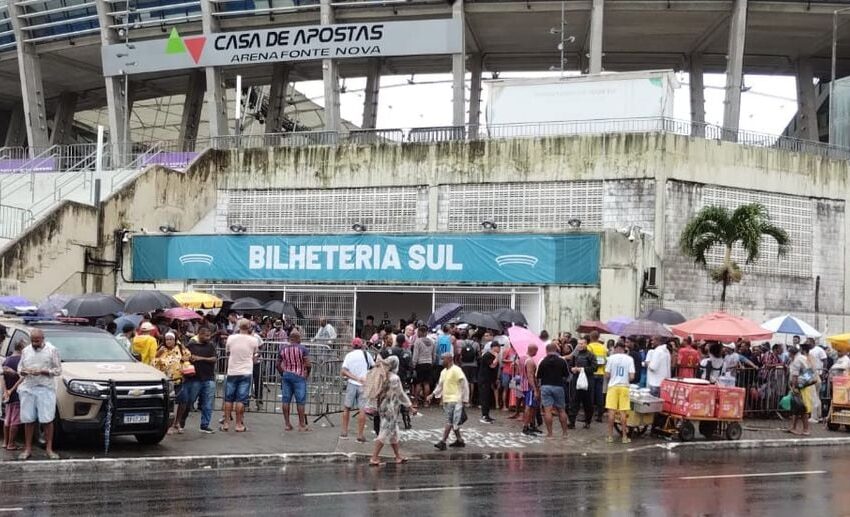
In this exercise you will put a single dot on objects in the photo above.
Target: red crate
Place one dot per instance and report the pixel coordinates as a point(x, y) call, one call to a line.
point(693, 400)
point(730, 403)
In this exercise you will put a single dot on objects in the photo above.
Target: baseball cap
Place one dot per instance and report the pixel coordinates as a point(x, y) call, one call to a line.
point(357, 343)
point(147, 327)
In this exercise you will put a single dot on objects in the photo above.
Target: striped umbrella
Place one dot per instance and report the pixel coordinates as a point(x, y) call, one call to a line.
point(790, 325)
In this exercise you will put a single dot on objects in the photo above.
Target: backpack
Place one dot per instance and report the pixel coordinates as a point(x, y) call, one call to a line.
point(467, 353)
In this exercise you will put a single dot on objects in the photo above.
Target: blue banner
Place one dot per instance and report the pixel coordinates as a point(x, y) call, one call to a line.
point(425, 258)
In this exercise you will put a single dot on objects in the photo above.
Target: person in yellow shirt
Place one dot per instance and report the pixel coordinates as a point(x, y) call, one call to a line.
point(144, 344)
point(600, 353)
point(453, 390)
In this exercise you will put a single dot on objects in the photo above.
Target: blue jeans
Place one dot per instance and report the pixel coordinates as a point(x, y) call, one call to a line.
point(292, 385)
point(204, 392)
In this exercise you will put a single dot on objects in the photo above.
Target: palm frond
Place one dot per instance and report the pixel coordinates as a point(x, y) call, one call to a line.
point(708, 227)
point(779, 235)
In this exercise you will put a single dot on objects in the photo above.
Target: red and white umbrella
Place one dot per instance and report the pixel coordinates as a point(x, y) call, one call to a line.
point(183, 314)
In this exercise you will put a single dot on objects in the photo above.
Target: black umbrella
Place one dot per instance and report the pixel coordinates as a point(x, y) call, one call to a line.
point(443, 314)
point(283, 308)
point(247, 304)
point(664, 316)
point(94, 305)
point(509, 317)
point(480, 320)
point(148, 301)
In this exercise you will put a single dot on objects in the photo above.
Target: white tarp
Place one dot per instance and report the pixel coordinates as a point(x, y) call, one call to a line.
point(625, 95)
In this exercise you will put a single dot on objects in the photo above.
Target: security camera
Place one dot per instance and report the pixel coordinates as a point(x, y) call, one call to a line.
point(631, 237)
point(633, 233)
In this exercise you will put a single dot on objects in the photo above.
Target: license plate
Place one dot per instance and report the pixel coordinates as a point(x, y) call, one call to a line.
point(137, 418)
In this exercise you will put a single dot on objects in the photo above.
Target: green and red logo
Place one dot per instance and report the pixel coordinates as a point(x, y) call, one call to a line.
point(177, 45)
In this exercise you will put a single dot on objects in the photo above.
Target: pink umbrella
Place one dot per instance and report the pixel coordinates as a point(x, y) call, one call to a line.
point(521, 338)
point(719, 326)
point(182, 313)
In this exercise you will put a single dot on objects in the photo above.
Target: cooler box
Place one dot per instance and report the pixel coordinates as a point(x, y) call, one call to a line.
point(841, 390)
point(692, 400)
point(730, 403)
point(668, 386)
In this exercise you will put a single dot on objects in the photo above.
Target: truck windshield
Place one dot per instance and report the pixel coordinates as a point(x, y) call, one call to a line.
point(82, 347)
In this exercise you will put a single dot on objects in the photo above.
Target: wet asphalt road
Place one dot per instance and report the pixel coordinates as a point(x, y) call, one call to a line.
point(792, 482)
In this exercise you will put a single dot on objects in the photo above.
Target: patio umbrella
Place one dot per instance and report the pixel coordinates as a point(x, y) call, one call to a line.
point(664, 316)
point(53, 304)
point(247, 303)
point(148, 301)
point(790, 325)
point(521, 337)
point(617, 323)
point(480, 320)
point(182, 313)
point(840, 342)
point(283, 308)
point(94, 305)
point(591, 325)
point(647, 328)
point(443, 314)
point(509, 316)
point(132, 319)
point(196, 300)
point(720, 326)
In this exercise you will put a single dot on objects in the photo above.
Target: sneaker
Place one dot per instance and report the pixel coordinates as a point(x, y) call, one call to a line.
point(458, 444)
point(627, 440)
point(440, 445)
point(536, 430)
point(528, 432)
point(207, 430)
point(609, 439)
point(486, 420)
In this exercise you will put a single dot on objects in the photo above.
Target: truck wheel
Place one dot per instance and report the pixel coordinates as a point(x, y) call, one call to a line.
point(687, 431)
point(60, 438)
point(152, 439)
point(734, 431)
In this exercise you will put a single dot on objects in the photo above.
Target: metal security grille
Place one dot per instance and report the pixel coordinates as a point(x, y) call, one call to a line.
point(521, 206)
point(336, 306)
point(794, 214)
point(380, 209)
point(480, 302)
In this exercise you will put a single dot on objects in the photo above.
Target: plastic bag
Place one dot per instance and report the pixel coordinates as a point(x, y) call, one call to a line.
point(581, 383)
point(785, 403)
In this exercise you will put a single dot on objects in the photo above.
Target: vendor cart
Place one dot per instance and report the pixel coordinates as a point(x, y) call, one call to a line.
point(640, 418)
point(691, 404)
point(839, 410)
point(684, 428)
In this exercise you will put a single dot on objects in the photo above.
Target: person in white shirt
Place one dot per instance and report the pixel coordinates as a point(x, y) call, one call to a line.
point(620, 372)
point(326, 332)
point(39, 364)
point(355, 366)
point(657, 366)
point(819, 359)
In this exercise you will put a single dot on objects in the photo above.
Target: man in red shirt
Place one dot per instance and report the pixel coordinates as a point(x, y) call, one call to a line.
point(687, 359)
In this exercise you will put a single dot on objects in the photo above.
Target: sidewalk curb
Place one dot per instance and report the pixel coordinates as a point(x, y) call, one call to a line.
point(163, 463)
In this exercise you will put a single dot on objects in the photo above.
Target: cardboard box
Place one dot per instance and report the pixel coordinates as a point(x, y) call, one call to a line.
point(841, 390)
point(693, 400)
point(730, 403)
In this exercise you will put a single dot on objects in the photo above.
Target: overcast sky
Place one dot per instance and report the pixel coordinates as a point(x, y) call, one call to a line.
point(767, 106)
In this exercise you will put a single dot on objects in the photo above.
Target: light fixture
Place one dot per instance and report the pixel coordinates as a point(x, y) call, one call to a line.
point(358, 227)
point(238, 228)
point(574, 223)
point(167, 228)
point(489, 225)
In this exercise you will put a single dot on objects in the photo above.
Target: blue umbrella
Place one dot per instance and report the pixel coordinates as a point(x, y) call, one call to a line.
point(790, 325)
point(132, 319)
point(15, 301)
point(443, 314)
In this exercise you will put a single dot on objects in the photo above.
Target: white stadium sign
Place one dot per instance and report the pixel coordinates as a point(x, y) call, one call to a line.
point(340, 41)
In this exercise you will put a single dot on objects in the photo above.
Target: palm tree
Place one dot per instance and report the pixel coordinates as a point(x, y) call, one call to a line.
point(715, 225)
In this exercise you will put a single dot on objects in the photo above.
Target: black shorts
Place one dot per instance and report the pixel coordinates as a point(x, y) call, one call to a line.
point(471, 373)
point(423, 372)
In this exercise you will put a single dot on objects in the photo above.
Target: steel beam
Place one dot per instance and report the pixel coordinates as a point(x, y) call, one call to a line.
point(330, 75)
point(459, 70)
point(735, 70)
point(697, 87)
point(216, 93)
point(63, 118)
point(277, 98)
point(475, 69)
point(32, 86)
point(193, 104)
point(370, 97)
point(117, 95)
point(597, 17)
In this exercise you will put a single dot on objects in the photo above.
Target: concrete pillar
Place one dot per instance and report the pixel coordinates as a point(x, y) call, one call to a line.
point(117, 94)
point(807, 116)
point(330, 76)
point(735, 70)
point(475, 69)
point(32, 87)
point(597, 16)
point(459, 70)
point(695, 74)
point(192, 106)
point(16, 132)
point(370, 97)
point(63, 118)
point(277, 98)
point(216, 92)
